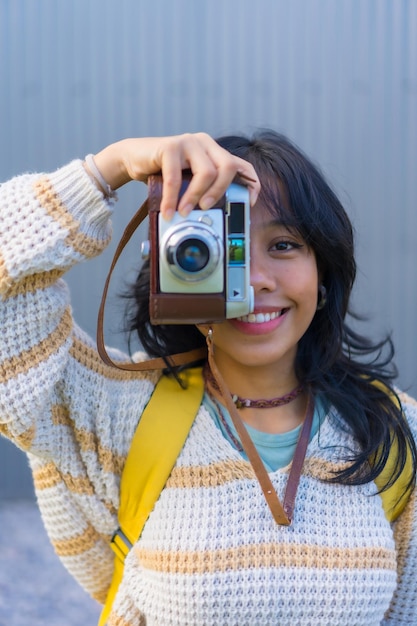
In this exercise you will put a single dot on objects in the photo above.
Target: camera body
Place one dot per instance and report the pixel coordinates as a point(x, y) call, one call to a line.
point(200, 265)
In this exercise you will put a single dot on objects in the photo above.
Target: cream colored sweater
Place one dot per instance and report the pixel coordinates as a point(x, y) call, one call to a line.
point(210, 553)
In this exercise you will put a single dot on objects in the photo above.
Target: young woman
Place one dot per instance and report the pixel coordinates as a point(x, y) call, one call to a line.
point(212, 551)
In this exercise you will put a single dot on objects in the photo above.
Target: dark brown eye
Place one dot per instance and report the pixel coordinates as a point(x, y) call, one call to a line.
point(285, 246)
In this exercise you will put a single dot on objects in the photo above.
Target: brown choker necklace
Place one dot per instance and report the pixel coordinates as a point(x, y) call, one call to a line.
point(242, 403)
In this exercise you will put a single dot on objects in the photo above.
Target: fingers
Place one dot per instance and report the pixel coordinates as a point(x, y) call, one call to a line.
point(180, 153)
point(212, 167)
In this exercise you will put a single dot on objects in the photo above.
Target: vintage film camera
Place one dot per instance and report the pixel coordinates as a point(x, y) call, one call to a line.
point(200, 270)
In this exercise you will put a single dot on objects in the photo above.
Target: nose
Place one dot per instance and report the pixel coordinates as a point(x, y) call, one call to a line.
point(261, 276)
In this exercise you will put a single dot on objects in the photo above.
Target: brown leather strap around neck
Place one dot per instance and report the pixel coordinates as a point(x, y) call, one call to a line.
point(181, 358)
point(282, 513)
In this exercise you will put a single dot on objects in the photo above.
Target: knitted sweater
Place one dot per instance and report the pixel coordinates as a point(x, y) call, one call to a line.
point(210, 553)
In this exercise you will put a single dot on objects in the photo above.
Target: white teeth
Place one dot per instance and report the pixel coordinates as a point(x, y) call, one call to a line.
point(260, 318)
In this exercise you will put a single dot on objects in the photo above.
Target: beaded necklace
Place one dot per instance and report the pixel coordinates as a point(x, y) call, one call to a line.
point(242, 403)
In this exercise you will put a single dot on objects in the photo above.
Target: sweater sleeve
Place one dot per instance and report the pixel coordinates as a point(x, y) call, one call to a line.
point(73, 415)
point(403, 609)
point(48, 223)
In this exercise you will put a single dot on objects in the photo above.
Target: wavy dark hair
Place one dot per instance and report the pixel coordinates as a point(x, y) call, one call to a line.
point(332, 359)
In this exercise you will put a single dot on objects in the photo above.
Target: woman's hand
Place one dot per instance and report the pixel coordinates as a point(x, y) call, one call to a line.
point(213, 169)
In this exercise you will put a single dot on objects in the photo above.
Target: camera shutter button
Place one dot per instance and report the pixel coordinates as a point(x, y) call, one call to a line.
point(206, 219)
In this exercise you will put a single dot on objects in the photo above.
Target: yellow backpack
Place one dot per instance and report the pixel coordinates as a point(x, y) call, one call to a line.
point(158, 441)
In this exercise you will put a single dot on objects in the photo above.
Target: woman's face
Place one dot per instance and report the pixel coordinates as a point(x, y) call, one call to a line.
point(285, 279)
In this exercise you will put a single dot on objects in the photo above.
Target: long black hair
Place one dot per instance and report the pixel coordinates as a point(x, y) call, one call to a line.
point(332, 359)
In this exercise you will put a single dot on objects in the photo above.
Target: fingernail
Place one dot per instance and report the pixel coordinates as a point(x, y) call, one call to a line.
point(206, 203)
point(185, 210)
point(168, 214)
point(253, 196)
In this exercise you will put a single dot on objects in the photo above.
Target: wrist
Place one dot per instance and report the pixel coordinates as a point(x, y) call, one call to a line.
point(95, 174)
point(110, 163)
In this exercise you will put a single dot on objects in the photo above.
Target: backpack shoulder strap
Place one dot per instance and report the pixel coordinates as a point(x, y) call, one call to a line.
point(157, 442)
point(395, 498)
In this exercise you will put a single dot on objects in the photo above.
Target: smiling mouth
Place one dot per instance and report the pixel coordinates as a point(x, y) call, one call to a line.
point(261, 318)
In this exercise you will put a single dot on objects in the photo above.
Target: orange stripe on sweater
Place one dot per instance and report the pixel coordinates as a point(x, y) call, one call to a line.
point(28, 359)
point(50, 201)
point(265, 556)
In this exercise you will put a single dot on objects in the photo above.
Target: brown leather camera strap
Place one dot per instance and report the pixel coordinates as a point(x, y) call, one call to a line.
point(181, 358)
point(282, 513)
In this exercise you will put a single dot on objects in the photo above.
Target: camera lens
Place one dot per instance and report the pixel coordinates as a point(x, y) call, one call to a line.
point(191, 252)
point(192, 255)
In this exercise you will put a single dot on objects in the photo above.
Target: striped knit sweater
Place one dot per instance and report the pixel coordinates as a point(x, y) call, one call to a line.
point(210, 553)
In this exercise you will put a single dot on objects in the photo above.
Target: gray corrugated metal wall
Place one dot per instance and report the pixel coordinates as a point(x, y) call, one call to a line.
point(338, 76)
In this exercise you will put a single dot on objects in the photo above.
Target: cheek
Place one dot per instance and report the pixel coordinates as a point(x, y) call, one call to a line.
point(306, 296)
point(303, 281)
